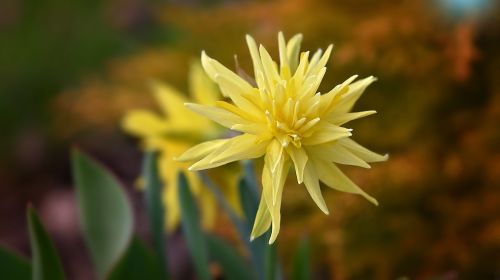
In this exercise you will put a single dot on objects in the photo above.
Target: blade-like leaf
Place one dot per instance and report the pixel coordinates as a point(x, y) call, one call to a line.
point(138, 263)
point(270, 262)
point(302, 263)
point(191, 229)
point(104, 212)
point(46, 262)
point(233, 265)
point(156, 211)
point(14, 265)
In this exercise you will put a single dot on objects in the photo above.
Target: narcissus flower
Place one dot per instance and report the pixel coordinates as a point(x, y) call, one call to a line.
point(287, 121)
point(173, 132)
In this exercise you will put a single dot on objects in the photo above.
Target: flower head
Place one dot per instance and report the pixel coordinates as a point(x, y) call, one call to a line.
point(285, 119)
point(173, 132)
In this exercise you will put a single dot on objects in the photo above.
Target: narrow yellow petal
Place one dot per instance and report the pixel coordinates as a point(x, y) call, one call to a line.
point(204, 90)
point(270, 67)
point(245, 146)
point(326, 132)
point(293, 51)
point(216, 114)
point(257, 63)
point(143, 123)
point(331, 98)
point(342, 118)
point(201, 150)
point(361, 151)
point(315, 67)
point(282, 50)
point(262, 220)
point(274, 160)
point(170, 100)
point(334, 152)
point(238, 95)
point(269, 184)
point(311, 181)
point(240, 147)
point(299, 158)
point(331, 175)
point(215, 69)
point(254, 128)
point(355, 91)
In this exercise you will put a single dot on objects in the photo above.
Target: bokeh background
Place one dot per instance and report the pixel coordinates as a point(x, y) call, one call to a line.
point(70, 69)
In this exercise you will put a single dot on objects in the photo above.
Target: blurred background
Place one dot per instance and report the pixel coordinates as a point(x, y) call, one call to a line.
point(70, 69)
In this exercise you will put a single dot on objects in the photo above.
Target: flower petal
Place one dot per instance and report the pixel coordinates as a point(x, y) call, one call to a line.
point(299, 158)
point(311, 182)
point(143, 123)
point(331, 175)
point(245, 146)
point(269, 185)
point(361, 151)
point(216, 114)
point(214, 69)
point(326, 132)
point(203, 89)
point(340, 119)
point(334, 152)
point(293, 51)
point(262, 220)
point(275, 161)
point(355, 91)
point(201, 150)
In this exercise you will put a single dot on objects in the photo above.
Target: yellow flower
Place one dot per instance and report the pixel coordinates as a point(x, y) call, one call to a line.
point(286, 120)
point(172, 133)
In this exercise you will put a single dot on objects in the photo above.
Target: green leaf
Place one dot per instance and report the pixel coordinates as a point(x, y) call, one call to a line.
point(156, 211)
point(301, 263)
point(270, 262)
point(232, 264)
point(138, 263)
point(46, 262)
point(250, 204)
point(191, 229)
point(14, 265)
point(104, 211)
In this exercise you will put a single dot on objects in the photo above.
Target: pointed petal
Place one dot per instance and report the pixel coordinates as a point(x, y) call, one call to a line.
point(282, 50)
point(331, 175)
point(143, 123)
point(340, 119)
point(293, 51)
point(262, 220)
point(213, 68)
point(361, 151)
point(311, 181)
point(269, 66)
point(355, 91)
point(331, 98)
point(274, 160)
point(299, 158)
point(315, 67)
point(237, 94)
point(267, 190)
point(201, 150)
point(203, 89)
point(170, 100)
point(216, 114)
point(257, 63)
point(334, 152)
point(245, 146)
point(326, 132)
